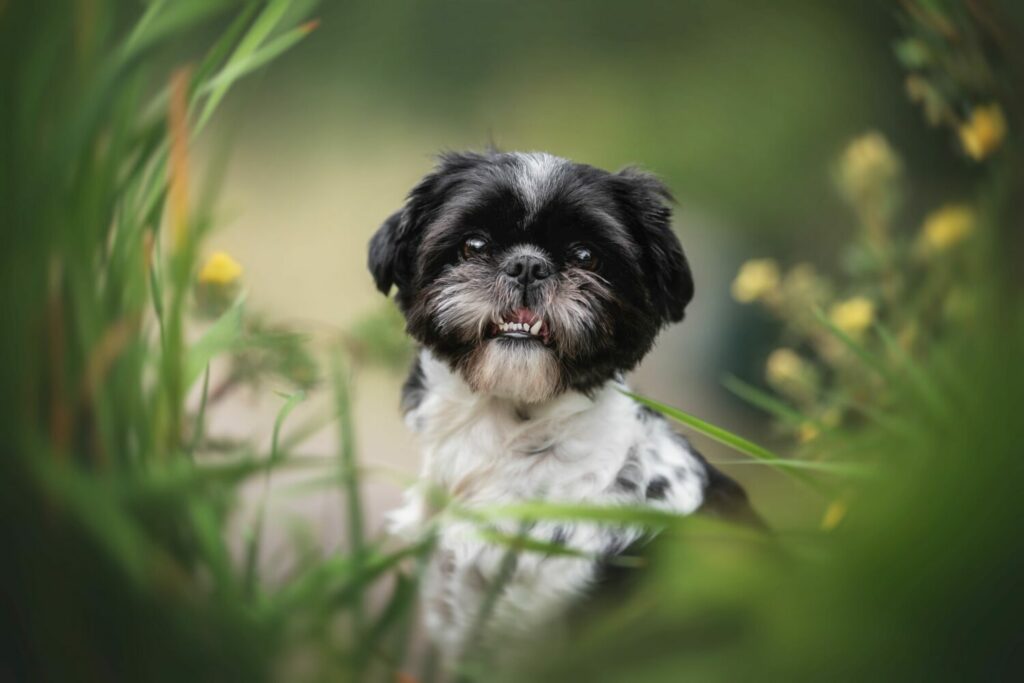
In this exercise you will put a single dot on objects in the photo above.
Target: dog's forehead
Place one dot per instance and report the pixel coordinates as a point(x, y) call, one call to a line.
point(537, 177)
point(532, 194)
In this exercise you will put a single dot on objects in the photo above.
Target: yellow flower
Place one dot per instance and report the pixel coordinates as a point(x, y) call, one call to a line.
point(791, 375)
point(853, 316)
point(945, 228)
point(834, 515)
point(783, 365)
point(867, 166)
point(807, 432)
point(755, 280)
point(983, 132)
point(220, 269)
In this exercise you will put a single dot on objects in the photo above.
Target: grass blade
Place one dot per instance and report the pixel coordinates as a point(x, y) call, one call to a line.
point(252, 550)
point(197, 433)
point(349, 474)
point(525, 543)
point(727, 438)
point(535, 511)
point(221, 336)
point(765, 401)
point(929, 392)
point(869, 359)
point(247, 56)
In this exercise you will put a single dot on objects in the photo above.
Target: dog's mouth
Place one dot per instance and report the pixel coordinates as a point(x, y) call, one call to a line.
point(521, 323)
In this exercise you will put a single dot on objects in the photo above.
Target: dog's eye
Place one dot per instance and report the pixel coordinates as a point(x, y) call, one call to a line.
point(582, 257)
point(474, 246)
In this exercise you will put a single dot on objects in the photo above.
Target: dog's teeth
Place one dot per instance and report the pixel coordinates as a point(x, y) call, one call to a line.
point(536, 327)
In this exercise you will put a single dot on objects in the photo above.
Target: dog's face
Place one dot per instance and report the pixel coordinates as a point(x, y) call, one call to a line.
point(530, 274)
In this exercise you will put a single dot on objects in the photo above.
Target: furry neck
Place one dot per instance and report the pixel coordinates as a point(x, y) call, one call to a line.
point(447, 385)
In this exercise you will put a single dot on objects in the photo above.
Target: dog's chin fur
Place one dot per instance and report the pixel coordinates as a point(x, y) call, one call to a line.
point(520, 371)
point(507, 414)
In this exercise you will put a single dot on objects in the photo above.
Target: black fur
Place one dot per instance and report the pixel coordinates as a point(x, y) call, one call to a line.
point(645, 204)
point(624, 217)
point(726, 499)
point(657, 488)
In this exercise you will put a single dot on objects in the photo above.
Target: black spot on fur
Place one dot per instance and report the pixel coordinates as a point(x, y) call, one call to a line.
point(628, 478)
point(657, 488)
point(645, 413)
point(625, 484)
point(560, 536)
point(414, 387)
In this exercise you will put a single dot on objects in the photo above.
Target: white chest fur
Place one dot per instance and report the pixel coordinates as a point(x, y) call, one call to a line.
point(483, 451)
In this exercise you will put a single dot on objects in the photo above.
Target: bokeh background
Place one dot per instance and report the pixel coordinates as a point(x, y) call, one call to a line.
point(742, 109)
point(200, 430)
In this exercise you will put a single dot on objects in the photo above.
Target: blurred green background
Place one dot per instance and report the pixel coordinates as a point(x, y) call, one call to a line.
point(742, 109)
point(187, 499)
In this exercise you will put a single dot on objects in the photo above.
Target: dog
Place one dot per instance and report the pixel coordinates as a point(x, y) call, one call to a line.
point(532, 284)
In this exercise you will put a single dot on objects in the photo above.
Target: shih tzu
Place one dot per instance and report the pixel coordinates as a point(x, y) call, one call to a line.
point(532, 284)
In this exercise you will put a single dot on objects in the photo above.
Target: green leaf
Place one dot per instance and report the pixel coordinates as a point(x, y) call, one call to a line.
point(237, 68)
point(830, 467)
point(869, 359)
point(221, 337)
point(252, 550)
point(727, 438)
point(625, 515)
point(349, 473)
point(164, 18)
point(200, 420)
point(248, 56)
point(765, 401)
point(524, 543)
point(927, 389)
point(216, 55)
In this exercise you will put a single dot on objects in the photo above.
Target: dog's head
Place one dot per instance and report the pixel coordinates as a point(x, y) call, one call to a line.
point(530, 274)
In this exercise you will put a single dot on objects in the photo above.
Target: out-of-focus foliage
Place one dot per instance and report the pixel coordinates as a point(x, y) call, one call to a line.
point(900, 288)
point(379, 338)
point(899, 371)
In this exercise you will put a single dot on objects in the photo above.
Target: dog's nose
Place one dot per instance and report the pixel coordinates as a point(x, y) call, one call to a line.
point(527, 269)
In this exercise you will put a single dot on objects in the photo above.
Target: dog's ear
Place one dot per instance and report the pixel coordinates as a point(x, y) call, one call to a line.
point(645, 203)
point(384, 253)
point(395, 242)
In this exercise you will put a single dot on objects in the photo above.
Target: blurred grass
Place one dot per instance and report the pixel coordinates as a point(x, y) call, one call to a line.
point(116, 504)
